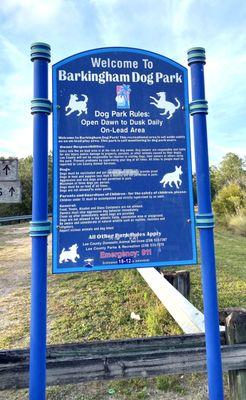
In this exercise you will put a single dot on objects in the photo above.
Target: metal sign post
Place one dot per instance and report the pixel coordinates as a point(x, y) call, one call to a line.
point(40, 226)
point(205, 223)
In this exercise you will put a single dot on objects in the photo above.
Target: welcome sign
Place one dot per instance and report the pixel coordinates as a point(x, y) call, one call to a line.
point(132, 76)
point(122, 170)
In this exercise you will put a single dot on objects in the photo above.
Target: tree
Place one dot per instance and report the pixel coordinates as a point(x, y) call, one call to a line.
point(25, 174)
point(213, 183)
point(230, 200)
point(231, 169)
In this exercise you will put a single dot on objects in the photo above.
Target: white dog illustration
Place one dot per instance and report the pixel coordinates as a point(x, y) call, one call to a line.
point(173, 177)
point(69, 255)
point(77, 105)
point(165, 105)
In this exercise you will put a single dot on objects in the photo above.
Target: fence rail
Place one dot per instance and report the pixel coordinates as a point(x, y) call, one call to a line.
point(16, 218)
point(73, 363)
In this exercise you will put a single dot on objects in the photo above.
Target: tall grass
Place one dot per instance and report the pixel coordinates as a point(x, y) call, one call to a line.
point(237, 223)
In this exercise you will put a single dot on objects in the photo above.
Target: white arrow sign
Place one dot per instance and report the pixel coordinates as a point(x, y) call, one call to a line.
point(9, 170)
point(10, 192)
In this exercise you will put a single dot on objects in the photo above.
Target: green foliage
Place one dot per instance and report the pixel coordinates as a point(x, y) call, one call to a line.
point(170, 384)
point(159, 321)
point(134, 389)
point(230, 200)
point(231, 169)
point(214, 181)
point(229, 196)
point(237, 223)
point(214, 185)
point(25, 173)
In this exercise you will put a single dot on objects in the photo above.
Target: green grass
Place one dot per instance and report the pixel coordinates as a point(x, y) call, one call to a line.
point(97, 306)
point(231, 271)
point(171, 384)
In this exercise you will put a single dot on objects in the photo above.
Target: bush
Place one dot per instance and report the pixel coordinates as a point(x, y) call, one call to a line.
point(237, 223)
point(229, 201)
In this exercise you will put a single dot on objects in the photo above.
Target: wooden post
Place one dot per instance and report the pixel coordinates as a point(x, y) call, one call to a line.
point(178, 279)
point(225, 312)
point(236, 334)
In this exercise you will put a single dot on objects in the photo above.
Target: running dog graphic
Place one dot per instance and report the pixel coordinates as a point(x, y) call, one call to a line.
point(77, 105)
point(69, 255)
point(163, 104)
point(173, 177)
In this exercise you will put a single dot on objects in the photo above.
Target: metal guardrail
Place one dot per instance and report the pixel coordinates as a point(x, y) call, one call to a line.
point(16, 218)
point(118, 359)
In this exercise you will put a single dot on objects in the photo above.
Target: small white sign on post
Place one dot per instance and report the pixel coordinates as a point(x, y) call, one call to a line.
point(9, 170)
point(10, 192)
point(10, 187)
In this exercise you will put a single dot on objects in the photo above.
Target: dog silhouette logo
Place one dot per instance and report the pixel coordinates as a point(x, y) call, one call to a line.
point(167, 107)
point(173, 177)
point(75, 104)
point(69, 255)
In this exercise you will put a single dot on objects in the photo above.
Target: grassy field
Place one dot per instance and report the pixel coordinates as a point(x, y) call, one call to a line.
point(98, 306)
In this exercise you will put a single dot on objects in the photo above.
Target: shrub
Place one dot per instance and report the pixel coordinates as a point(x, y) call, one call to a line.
point(229, 200)
point(237, 223)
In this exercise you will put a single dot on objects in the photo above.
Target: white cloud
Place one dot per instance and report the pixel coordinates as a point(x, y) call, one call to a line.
point(14, 81)
point(20, 143)
point(107, 17)
point(30, 12)
point(15, 101)
point(169, 27)
point(179, 13)
point(218, 151)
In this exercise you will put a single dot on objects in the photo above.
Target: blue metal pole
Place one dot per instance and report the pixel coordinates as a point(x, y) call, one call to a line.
point(205, 223)
point(40, 226)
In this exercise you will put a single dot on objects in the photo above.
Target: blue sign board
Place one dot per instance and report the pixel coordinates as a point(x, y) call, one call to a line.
point(122, 170)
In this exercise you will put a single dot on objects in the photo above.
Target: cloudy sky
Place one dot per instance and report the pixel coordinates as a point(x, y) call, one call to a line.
point(168, 27)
